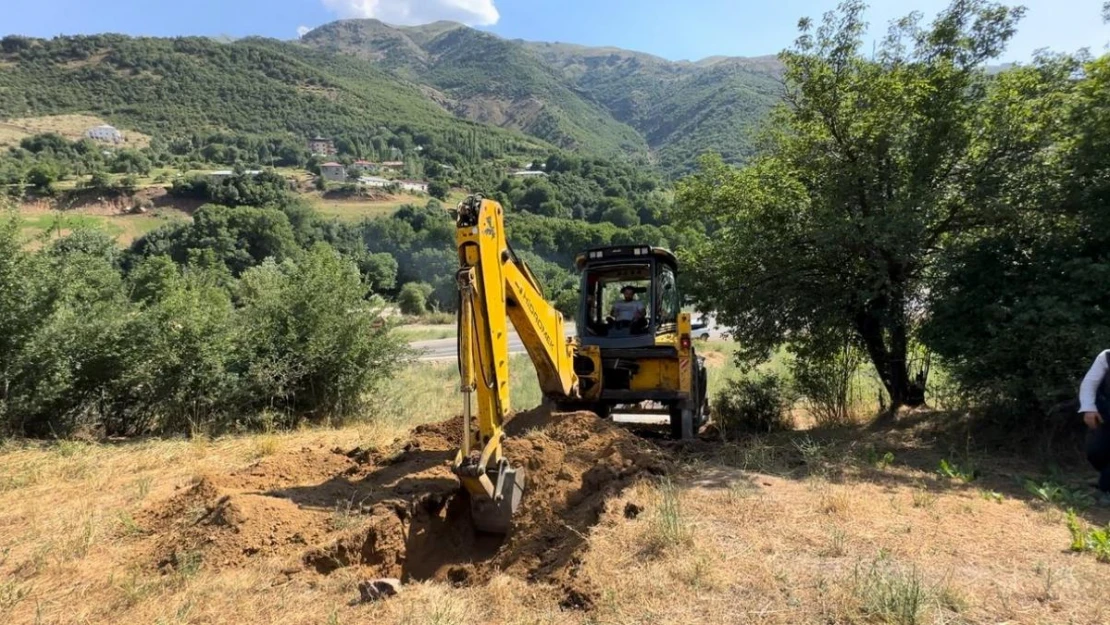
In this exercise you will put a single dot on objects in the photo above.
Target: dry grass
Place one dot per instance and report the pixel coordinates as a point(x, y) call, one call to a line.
point(72, 127)
point(785, 529)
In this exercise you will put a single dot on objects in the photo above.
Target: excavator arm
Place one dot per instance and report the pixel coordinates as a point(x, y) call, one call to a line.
point(495, 286)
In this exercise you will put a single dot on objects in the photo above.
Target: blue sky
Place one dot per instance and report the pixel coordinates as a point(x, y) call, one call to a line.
point(674, 29)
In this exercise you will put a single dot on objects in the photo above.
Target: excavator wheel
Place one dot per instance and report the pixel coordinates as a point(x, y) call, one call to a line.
point(495, 515)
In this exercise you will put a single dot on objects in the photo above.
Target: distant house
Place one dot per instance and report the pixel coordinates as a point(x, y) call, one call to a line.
point(393, 164)
point(105, 133)
point(321, 146)
point(413, 185)
point(528, 173)
point(333, 172)
point(374, 181)
point(365, 166)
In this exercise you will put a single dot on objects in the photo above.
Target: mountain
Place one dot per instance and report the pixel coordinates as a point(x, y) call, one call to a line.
point(177, 87)
point(681, 108)
point(485, 78)
point(596, 99)
point(365, 81)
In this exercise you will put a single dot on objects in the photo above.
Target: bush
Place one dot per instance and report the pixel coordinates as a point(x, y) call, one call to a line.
point(180, 349)
point(828, 383)
point(413, 299)
point(753, 405)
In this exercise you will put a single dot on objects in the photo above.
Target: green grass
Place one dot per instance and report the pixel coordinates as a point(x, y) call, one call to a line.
point(357, 210)
point(125, 228)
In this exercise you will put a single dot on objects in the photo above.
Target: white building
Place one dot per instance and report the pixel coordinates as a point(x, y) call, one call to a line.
point(104, 132)
point(413, 185)
point(374, 181)
point(219, 176)
point(528, 173)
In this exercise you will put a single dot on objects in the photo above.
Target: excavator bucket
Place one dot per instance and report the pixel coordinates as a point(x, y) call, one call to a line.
point(494, 515)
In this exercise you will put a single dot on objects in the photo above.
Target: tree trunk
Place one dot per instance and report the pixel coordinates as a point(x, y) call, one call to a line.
point(889, 360)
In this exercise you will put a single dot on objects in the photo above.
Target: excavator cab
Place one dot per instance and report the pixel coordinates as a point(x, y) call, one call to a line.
point(635, 352)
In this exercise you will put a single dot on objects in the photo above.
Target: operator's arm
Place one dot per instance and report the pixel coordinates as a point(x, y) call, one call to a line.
point(1088, 389)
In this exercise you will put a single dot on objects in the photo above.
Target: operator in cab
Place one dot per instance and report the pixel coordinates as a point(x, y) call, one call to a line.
point(629, 310)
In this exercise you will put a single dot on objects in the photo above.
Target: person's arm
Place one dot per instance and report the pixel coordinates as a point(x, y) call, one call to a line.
point(1088, 390)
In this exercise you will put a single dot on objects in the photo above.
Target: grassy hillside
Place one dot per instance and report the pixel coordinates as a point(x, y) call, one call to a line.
point(482, 77)
point(844, 526)
point(174, 87)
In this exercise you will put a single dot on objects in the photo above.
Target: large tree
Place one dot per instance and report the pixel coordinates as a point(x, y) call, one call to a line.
point(874, 161)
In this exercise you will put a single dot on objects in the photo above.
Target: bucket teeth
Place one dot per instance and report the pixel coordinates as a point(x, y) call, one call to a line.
point(494, 515)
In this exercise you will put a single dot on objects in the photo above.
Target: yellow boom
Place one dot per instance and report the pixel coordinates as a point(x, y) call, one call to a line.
point(495, 286)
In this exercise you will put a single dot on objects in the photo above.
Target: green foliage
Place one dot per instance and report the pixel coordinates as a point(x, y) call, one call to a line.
point(874, 161)
point(485, 70)
point(276, 94)
point(889, 594)
point(1094, 540)
point(1020, 316)
point(179, 349)
point(1056, 494)
point(309, 337)
point(413, 299)
point(826, 376)
point(953, 471)
point(438, 189)
point(756, 405)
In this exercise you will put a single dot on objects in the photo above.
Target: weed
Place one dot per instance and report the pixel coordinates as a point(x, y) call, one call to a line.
point(739, 490)
point(265, 445)
point(128, 525)
point(837, 544)
point(11, 593)
point(813, 453)
point(78, 546)
point(1048, 580)
point(67, 448)
point(880, 461)
point(187, 563)
point(835, 503)
point(345, 515)
point(951, 599)
point(922, 498)
point(1095, 540)
point(991, 495)
point(133, 589)
point(951, 470)
point(1058, 495)
point(888, 594)
point(668, 526)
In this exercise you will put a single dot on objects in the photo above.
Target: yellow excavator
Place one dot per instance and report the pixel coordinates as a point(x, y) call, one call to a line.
point(632, 351)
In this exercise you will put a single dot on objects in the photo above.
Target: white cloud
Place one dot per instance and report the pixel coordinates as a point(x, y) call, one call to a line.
point(408, 12)
point(303, 30)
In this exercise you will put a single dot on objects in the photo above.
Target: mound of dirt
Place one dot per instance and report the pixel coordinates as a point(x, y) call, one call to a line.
point(399, 513)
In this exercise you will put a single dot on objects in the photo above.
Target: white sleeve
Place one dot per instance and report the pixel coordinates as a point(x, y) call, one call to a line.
point(1088, 389)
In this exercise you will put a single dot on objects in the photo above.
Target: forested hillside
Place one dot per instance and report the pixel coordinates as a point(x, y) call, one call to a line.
point(482, 77)
point(601, 100)
point(682, 109)
point(185, 86)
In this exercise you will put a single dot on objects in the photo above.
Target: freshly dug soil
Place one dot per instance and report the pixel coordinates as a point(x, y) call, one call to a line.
point(400, 513)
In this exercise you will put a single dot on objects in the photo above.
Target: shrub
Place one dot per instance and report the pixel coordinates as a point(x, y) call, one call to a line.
point(753, 405)
point(413, 299)
point(828, 384)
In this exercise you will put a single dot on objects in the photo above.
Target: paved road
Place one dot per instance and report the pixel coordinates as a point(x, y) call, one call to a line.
point(445, 349)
